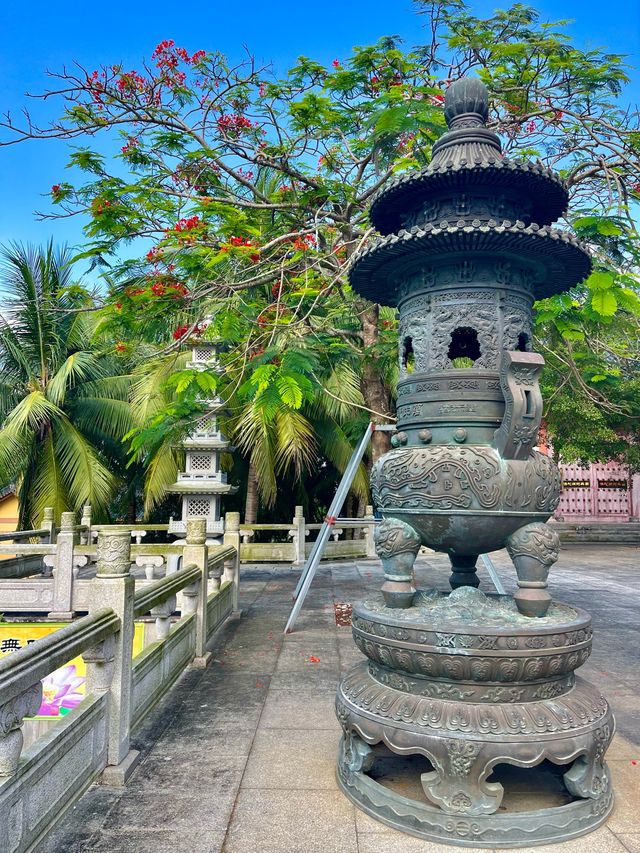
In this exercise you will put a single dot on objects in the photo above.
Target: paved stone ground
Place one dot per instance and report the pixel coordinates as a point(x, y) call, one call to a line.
point(240, 757)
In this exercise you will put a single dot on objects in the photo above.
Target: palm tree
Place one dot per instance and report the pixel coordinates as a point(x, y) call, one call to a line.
point(63, 403)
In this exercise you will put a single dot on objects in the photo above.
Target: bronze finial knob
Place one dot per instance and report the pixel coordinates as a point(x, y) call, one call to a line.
point(466, 99)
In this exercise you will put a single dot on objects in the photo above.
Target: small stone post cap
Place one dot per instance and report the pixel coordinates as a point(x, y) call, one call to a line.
point(67, 520)
point(196, 531)
point(232, 521)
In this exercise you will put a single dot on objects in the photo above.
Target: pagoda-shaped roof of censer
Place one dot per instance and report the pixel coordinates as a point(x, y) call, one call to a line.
point(469, 199)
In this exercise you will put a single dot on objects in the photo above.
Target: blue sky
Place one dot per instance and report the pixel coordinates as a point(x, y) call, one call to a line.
point(38, 36)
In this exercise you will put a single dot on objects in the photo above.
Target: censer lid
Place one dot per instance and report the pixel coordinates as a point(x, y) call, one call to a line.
point(469, 155)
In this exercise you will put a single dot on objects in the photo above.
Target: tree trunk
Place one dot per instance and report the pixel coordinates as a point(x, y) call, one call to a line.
point(251, 502)
point(375, 393)
point(133, 508)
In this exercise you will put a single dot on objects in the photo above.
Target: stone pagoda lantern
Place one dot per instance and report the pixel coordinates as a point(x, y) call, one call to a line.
point(203, 483)
point(471, 682)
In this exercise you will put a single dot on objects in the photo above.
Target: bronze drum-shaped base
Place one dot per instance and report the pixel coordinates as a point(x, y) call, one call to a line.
point(442, 682)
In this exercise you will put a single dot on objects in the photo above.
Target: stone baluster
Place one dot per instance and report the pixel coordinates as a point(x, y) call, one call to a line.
point(195, 552)
point(12, 714)
point(336, 533)
point(232, 566)
point(149, 563)
point(48, 524)
point(85, 521)
point(138, 535)
point(369, 541)
point(162, 613)
point(99, 661)
point(63, 571)
point(114, 587)
point(298, 533)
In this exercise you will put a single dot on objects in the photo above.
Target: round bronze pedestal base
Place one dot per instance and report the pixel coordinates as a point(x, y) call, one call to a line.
point(464, 743)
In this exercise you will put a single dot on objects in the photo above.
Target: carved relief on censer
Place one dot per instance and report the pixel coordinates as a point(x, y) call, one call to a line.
point(467, 680)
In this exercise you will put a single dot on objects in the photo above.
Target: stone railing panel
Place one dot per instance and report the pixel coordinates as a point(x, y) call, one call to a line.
point(159, 665)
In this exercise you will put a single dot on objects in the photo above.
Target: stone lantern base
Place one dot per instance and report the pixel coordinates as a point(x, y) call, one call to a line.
point(469, 683)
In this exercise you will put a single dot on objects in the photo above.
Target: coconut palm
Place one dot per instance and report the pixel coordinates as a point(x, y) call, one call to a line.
point(63, 404)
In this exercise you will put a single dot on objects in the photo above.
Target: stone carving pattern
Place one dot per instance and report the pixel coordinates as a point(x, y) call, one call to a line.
point(13, 712)
point(113, 552)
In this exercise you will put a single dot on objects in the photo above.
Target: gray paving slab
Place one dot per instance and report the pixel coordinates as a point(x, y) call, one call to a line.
point(239, 758)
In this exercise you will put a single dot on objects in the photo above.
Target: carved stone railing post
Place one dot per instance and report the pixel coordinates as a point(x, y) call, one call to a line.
point(114, 587)
point(12, 714)
point(232, 567)
point(85, 522)
point(195, 553)
point(63, 571)
point(298, 534)
point(369, 541)
point(48, 524)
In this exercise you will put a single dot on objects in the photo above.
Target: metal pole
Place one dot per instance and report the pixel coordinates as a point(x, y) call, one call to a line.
point(336, 506)
point(311, 566)
point(493, 573)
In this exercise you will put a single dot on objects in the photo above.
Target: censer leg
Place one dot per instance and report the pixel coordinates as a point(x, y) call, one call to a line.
point(534, 549)
point(463, 570)
point(397, 545)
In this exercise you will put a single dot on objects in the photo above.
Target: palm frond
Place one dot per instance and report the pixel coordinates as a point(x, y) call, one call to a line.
point(46, 485)
point(77, 367)
point(86, 477)
point(162, 472)
point(33, 412)
point(296, 443)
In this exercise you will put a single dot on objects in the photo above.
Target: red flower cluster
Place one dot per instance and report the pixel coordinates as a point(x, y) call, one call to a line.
point(233, 123)
point(132, 143)
point(240, 241)
point(130, 83)
point(187, 224)
point(99, 205)
point(121, 346)
point(530, 127)
point(438, 100)
point(304, 243)
point(168, 55)
point(179, 332)
point(179, 288)
point(336, 63)
point(55, 189)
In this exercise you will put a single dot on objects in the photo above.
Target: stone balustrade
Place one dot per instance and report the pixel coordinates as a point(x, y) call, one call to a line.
point(298, 532)
point(94, 740)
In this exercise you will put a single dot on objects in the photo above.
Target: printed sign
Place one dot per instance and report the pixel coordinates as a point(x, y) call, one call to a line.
point(64, 689)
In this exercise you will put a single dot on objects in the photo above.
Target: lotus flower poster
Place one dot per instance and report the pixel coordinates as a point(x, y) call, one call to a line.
point(64, 689)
